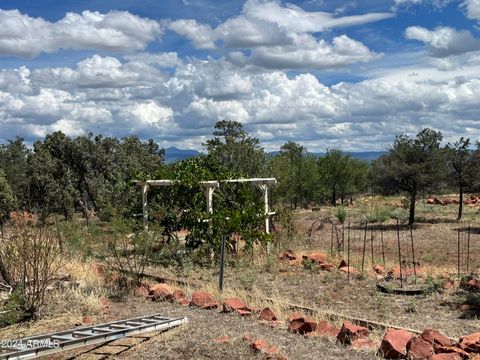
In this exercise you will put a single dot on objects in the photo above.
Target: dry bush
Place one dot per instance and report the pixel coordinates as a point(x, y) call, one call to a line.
point(30, 260)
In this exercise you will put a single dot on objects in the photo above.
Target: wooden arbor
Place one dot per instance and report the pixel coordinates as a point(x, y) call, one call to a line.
point(210, 187)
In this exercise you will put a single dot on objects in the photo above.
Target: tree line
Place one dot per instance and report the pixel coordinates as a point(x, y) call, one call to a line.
point(60, 175)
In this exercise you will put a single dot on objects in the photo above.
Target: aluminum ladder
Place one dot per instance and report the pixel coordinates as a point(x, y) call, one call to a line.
point(35, 346)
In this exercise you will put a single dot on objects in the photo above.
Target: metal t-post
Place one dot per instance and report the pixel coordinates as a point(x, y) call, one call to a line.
point(222, 262)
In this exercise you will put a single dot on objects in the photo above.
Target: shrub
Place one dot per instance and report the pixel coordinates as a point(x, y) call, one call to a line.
point(30, 260)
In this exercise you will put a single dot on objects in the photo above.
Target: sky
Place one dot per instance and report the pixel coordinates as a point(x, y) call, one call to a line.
point(326, 74)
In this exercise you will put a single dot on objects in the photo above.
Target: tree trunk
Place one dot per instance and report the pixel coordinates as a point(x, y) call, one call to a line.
point(411, 217)
point(334, 196)
point(460, 204)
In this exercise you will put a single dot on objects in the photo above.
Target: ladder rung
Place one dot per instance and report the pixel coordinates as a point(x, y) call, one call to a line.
point(116, 326)
point(133, 323)
point(82, 333)
point(101, 330)
point(149, 321)
point(61, 337)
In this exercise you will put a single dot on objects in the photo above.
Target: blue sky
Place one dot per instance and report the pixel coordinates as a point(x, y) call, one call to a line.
point(347, 74)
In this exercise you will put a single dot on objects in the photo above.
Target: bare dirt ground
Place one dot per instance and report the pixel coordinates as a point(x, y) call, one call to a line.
point(196, 339)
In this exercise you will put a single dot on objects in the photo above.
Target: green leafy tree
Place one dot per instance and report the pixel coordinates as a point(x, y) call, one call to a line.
point(462, 168)
point(7, 200)
point(297, 175)
point(342, 175)
point(13, 161)
point(235, 149)
point(411, 165)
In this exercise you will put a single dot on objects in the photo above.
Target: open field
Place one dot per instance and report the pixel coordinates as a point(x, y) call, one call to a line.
point(90, 292)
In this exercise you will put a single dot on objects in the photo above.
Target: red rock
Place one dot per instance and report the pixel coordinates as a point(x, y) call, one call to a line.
point(161, 292)
point(473, 285)
point(350, 332)
point(379, 269)
point(327, 267)
point(141, 291)
point(364, 344)
point(436, 338)
point(452, 349)
point(222, 340)
point(288, 255)
point(343, 263)
point(180, 297)
point(267, 314)
point(204, 300)
point(317, 257)
point(324, 328)
point(419, 349)
point(234, 304)
point(394, 344)
point(450, 356)
point(430, 201)
point(350, 269)
point(470, 343)
point(259, 345)
point(298, 323)
point(87, 320)
point(242, 312)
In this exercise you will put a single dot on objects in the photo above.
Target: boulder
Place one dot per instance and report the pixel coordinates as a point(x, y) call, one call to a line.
point(204, 300)
point(419, 349)
point(430, 201)
point(267, 314)
point(234, 304)
point(298, 323)
point(436, 338)
point(394, 344)
point(470, 343)
point(350, 332)
point(161, 292)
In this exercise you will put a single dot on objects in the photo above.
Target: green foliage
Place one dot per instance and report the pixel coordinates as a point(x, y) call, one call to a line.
point(342, 175)
point(297, 175)
point(341, 214)
point(412, 165)
point(7, 199)
point(233, 147)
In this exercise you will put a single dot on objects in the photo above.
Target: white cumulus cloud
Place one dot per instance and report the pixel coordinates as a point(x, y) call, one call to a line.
point(119, 31)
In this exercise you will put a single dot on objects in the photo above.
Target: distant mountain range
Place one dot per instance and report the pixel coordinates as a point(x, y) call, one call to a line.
point(173, 154)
